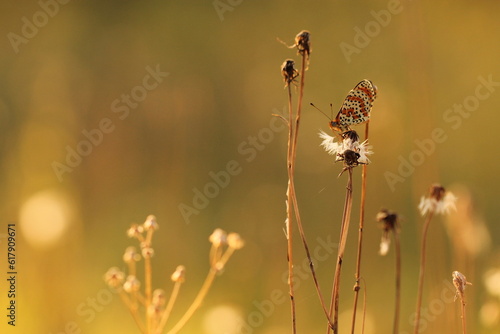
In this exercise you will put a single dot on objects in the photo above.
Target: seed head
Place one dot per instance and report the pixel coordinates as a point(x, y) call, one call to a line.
point(289, 72)
point(179, 274)
point(135, 231)
point(132, 284)
point(234, 241)
point(114, 277)
point(131, 255)
point(150, 223)
point(438, 201)
point(460, 282)
point(218, 237)
point(303, 43)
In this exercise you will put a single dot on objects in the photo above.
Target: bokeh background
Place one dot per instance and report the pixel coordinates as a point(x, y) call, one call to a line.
point(75, 68)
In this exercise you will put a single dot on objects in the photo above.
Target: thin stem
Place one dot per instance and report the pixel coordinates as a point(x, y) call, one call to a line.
point(398, 281)
point(132, 307)
point(196, 303)
point(147, 278)
point(360, 239)
point(292, 192)
point(170, 305)
point(422, 271)
point(464, 323)
point(289, 204)
point(344, 228)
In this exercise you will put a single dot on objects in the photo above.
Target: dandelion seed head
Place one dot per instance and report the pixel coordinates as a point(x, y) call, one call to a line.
point(439, 201)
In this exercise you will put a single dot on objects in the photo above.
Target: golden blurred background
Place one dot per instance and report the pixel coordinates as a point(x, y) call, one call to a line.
point(111, 111)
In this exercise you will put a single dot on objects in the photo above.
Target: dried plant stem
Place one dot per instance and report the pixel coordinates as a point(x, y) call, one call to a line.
point(147, 279)
point(212, 273)
point(422, 271)
point(398, 281)
point(289, 204)
point(344, 228)
point(132, 307)
point(464, 322)
point(360, 239)
point(168, 309)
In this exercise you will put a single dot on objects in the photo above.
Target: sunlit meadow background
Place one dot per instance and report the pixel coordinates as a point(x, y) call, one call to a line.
point(224, 83)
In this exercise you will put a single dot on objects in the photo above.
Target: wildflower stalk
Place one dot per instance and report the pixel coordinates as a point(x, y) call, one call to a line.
point(460, 283)
point(360, 239)
point(422, 271)
point(293, 193)
point(289, 203)
point(397, 303)
point(132, 307)
point(212, 273)
point(166, 313)
point(346, 217)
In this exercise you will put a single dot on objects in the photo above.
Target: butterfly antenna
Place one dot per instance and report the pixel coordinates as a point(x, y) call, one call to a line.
point(320, 111)
point(331, 110)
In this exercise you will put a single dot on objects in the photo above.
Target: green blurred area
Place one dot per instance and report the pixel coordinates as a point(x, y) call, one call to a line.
point(215, 106)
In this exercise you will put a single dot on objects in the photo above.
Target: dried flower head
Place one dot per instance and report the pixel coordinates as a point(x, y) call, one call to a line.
point(179, 274)
point(389, 221)
point(131, 255)
point(235, 241)
point(132, 284)
point(150, 223)
point(438, 201)
point(460, 282)
point(218, 237)
point(114, 277)
point(349, 149)
point(135, 231)
point(303, 43)
point(289, 72)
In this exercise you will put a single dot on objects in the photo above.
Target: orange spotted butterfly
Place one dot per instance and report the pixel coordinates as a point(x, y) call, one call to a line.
point(356, 107)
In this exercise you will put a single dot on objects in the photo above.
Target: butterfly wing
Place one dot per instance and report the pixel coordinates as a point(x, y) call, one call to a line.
point(356, 107)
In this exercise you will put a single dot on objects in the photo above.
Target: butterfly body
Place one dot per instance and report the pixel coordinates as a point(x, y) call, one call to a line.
point(356, 107)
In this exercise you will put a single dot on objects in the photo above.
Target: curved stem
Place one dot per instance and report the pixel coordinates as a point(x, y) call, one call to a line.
point(422, 272)
point(398, 281)
point(360, 239)
point(344, 228)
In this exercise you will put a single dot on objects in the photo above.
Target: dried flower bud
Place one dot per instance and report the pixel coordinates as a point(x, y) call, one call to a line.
point(131, 255)
point(289, 72)
point(388, 219)
point(437, 192)
point(150, 223)
point(114, 277)
point(303, 43)
point(135, 231)
point(179, 274)
point(460, 282)
point(132, 284)
point(154, 310)
point(218, 237)
point(158, 297)
point(147, 252)
point(389, 222)
point(234, 241)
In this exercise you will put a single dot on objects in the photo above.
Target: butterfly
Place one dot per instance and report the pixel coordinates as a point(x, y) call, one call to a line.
point(356, 107)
